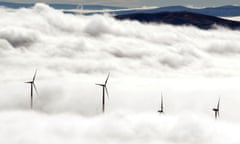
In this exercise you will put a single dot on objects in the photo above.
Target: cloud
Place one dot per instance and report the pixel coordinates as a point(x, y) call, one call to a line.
point(65, 39)
point(114, 128)
point(192, 68)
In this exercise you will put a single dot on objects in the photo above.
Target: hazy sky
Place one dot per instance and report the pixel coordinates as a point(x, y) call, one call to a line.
point(137, 3)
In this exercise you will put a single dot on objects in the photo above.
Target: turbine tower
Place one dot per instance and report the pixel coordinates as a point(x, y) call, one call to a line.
point(104, 88)
point(161, 110)
point(216, 110)
point(32, 84)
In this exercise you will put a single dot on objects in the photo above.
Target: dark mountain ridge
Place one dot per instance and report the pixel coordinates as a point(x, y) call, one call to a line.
point(223, 11)
point(181, 18)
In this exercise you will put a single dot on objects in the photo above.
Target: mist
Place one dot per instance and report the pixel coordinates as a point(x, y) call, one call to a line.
point(192, 68)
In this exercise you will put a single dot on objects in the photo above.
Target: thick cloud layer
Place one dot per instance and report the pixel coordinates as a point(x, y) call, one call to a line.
point(114, 128)
point(191, 67)
point(49, 39)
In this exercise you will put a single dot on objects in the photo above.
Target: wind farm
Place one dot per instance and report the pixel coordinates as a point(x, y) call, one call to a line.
point(105, 91)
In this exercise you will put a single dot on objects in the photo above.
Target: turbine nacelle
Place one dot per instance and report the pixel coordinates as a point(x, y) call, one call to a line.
point(214, 109)
point(160, 111)
point(29, 82)
point(103, 85)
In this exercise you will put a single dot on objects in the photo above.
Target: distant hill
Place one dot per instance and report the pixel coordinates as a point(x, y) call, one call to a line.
point(15, 5)
point(58, 6)
point(224, 11)
point(181, 18)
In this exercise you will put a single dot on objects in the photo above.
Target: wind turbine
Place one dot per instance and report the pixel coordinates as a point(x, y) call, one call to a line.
point(104, 88)
point(33, 86)
point(81, 7)
point(216, 110)
point(161, 110)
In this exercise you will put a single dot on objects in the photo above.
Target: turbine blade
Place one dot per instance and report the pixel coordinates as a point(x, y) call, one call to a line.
point(161, 102)
point(218, 104)
point(34, 77)
point(35, 88)
point(107, 92)
point(162, 106)
point(107, 79)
